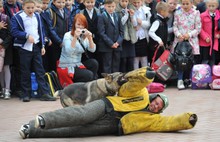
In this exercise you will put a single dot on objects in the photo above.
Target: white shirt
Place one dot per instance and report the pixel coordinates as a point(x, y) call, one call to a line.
point(61, 12)
point(31, 28)
point(153, 29)
point(90, 12)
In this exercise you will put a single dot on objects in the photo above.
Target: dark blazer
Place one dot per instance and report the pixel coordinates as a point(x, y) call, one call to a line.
point(61, 24)
point(109, 32)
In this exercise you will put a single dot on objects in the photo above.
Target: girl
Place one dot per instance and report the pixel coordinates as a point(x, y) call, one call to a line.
point(186, 26)
point(208, 38)
point(74, 43)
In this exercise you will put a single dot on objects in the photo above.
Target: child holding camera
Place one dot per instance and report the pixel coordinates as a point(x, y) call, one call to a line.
point(74, 43)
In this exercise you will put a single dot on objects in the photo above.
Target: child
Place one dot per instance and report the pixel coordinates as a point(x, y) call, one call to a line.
point(172, 8)
point(60, 23)
point(141, 21)
point(6, 45)
point(186, 26)
point(26, 28)
point(110, 30)
point(71, 10)
point(11, 7)
point(209, 35)
point(128, 49)
point(158, 31)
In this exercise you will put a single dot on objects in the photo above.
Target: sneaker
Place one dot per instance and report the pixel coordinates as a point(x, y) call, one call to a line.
point(2, 93)
point(47, 97)
point(39, 122)
point(24, 131)
point(7, 94)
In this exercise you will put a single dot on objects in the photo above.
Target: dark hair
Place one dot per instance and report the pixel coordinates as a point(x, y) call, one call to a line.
point(82, 19)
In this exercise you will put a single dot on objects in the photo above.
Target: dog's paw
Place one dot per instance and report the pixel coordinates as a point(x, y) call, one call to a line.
point(193, 119)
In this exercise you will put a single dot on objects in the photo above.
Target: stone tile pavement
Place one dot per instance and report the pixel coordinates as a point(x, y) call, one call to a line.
point(205, 103)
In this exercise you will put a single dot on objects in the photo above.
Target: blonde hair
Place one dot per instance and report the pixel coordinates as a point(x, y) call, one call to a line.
point(161, 6)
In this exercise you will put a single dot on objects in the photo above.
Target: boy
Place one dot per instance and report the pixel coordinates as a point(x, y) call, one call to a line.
point(159, 31)
point(110, 30)
point(71, 10)
point(26, 28)
point(59, 20)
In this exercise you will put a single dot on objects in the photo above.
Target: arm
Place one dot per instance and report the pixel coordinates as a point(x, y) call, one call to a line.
point(146, 23)
point(195, 32)
point(175, 25)
point(145, 122)
point(8, 39)
point(16, 30)
point(152, 31)
point(121, 32)
point(203, 35)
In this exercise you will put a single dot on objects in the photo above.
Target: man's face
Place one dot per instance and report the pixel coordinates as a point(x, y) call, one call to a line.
point(89, 4)
point(110, 8)
point(156, 105)
point(45, 4)
point(59, 4)
point(29, 8)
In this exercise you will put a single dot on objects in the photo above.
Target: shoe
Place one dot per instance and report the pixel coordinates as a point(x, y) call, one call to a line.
point(180, 85)
point(24, 131)
point(7, 94)
point(39, 122)
point(2, 92)
point(47, 97)
point(26, 99)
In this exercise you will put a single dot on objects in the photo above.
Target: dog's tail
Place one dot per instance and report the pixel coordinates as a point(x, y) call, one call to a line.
point(66, 101)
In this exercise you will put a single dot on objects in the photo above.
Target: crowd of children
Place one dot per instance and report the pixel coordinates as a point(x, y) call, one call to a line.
point(125, 33)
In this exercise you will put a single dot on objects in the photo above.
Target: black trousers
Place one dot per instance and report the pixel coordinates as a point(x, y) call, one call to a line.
point(111, 61)
point(28, 60)
point(88, 74)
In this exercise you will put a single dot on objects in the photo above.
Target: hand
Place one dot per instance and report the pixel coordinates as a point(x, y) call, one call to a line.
point(186, 36)
point(50, 43)
point(161, 44)
point(207, 40)
point(78, 32)
point(30, 39)
point(87, 33)
point(217, 36)
point(43, 51)
point(139, 21)
point(180, 38)
point(3, 25)
point(131, 12)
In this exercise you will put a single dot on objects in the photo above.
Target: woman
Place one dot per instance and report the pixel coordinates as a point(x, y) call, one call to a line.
point(186, 26)
point(76, 42)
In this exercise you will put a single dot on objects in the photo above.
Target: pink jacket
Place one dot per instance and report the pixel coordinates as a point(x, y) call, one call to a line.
point(206, 31)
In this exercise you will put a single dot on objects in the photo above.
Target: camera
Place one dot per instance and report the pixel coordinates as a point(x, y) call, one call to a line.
point(83, 31)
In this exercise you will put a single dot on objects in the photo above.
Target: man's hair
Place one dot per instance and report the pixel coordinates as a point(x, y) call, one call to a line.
point(109, 1)
point(161, 6)
point(28, 1)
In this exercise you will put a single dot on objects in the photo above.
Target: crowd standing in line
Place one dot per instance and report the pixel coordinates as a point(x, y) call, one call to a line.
point(122, 32)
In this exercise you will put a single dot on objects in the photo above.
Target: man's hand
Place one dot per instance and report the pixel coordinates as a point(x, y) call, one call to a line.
point(43, 51)
point(31, 39)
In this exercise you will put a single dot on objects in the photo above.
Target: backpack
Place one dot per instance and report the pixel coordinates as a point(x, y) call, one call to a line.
point(215, 77)
point(183, 56)
point(201, 76)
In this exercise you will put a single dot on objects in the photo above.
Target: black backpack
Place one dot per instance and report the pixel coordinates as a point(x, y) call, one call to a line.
point(183, 56)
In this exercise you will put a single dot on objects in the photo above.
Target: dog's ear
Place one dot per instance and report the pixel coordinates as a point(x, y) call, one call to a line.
point(108, 77)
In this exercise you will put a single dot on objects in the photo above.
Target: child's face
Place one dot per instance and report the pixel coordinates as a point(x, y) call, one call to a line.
point(69, 3)
point(11, 1)
point(110, 8)
point(89, 4)
point(59, 4)
point(29, 8)
point(212, 5)
point(45, 4)
point(38, 7)
point(164, 13)
point(79, 25)
point(124, 3)
point(186, 5)
point(172, 5)
point(1, 7)
point(137, 3)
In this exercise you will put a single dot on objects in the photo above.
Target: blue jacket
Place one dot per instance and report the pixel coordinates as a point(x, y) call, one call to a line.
point(18, 30)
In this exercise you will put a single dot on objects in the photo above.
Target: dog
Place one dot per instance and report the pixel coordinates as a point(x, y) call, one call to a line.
point(82, 93)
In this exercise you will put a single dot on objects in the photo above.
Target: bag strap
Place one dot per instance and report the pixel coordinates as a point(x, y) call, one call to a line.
point(53, 16)
point(86, 52)
point(155, 53)
point(50, 83)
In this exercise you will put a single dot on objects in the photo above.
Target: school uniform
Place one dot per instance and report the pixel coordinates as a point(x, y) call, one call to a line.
point(29, 53)
point(60, 22)
point(110, 31)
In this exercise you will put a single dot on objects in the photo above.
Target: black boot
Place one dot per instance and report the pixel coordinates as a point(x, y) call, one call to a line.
point(47, 97)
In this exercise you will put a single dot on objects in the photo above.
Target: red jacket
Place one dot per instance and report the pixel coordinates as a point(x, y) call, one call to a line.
point(206, 31)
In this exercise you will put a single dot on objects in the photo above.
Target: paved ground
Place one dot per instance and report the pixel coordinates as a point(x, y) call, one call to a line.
point(205, 103)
